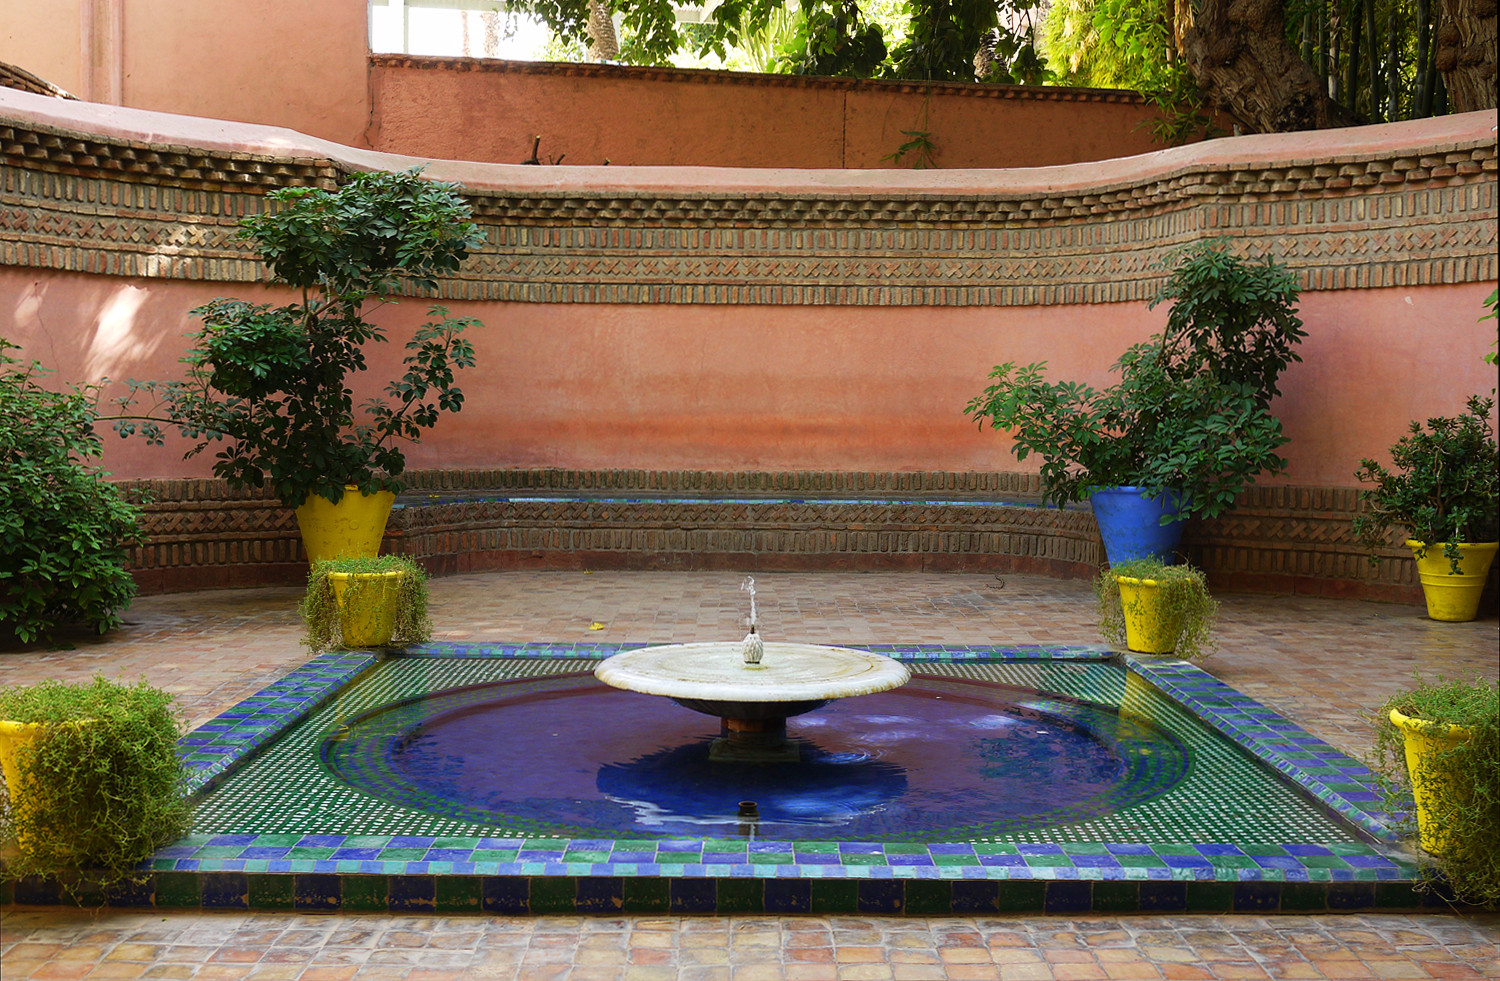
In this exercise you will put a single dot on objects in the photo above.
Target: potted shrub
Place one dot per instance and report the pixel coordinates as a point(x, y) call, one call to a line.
point(1155, 608)
point(366, 602)
point(268, 386)
point(95, 781)
point(1188, 426)
point(1442, 488)
point(64, 529)
point(1438, 745)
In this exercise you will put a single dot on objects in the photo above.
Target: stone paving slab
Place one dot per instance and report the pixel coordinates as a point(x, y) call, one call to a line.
point(1325, 664)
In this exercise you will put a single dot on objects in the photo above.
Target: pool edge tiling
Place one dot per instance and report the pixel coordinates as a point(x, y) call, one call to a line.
point(409, 873)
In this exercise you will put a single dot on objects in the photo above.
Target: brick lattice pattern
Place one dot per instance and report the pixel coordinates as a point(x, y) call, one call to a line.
point(99, 204)
point(102, 204)
point(1283, 539)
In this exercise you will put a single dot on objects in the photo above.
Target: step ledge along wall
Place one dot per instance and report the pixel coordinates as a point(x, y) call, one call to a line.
point(814, 332)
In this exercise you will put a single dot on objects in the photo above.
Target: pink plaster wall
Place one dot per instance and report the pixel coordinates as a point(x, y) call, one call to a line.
point(280, 62)
point(473, 109)
point(795, 388)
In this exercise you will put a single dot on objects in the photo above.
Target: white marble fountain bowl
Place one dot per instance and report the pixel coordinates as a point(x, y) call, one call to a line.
point(714, 678)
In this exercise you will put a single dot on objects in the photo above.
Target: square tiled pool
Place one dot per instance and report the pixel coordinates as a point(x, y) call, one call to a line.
point(1252, 814)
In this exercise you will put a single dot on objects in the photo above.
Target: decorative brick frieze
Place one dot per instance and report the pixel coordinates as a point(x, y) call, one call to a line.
point(1278, 539)
point(1396, 217)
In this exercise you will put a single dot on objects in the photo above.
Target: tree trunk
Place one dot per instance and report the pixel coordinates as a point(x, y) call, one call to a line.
point(603, 45)
point(1466, 53)
point(1238, 53)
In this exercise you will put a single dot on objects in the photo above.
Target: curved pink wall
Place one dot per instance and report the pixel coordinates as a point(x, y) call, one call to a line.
point(480, 109)
point(785, 388)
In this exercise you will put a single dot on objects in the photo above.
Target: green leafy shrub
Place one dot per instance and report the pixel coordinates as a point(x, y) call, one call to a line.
point(1191, 412)
point(1465, 813)
point(64, 530)
point(1184, 600)
point(269, 384)
point(1443, 488)
point(103, 781)
point(320, 608)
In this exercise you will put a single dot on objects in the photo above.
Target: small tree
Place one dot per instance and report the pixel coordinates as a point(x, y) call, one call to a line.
point(1191, 412)
point(270, 382)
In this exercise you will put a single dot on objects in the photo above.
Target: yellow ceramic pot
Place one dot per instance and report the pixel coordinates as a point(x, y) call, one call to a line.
point(1149, 628)
point(14, 735)
point(1453, 597)
point(367, 604)
point(350, 529)
point(1430, 785)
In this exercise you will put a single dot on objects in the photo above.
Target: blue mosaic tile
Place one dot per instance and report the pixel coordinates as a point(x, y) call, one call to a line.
point(1159, 873)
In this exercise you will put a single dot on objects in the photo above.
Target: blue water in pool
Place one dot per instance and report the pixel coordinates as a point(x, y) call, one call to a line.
point(939, 756)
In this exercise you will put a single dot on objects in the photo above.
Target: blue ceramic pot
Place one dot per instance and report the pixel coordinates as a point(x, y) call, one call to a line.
point(1130, 523)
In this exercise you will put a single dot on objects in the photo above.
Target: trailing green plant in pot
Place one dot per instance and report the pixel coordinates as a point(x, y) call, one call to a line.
point(95, 781)
point(1442, 488)
point(268, 386)
point(366, 603)
point(1190, 417)
point(1437, 745)
point(64, 529)
point(1151, 607)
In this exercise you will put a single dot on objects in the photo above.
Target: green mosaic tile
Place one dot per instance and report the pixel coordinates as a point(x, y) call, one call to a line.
point(928, 897)
point(816, 847)
point(275, 840)
point(947, 859)
point(1116, 897)
point(1022, 896)
point(1084, 848)
point(772, 858)
point(1210, 897)
point(740, 896)
point(177, 890)
point(554, 894)
point(271, 892)
point(995, 848)
point(312, 853)
point(1397, 895)
point(363, 893)
point(646, 895)
point(831, 896)
point(862, 859)
point(576, 855)
point(1303, 897)
point(458, 894)
point(1140, 861)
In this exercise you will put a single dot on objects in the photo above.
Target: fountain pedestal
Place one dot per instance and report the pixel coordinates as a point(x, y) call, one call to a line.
point(753, 701)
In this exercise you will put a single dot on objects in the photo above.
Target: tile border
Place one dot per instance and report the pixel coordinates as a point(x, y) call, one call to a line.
point(520, 875)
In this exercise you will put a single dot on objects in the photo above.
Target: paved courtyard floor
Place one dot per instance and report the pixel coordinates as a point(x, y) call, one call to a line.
point(1324, 663)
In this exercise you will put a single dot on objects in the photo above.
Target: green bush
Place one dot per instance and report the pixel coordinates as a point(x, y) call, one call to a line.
point(1191, 412)
point(1443, 486)
point(64, 530)
point(104, 780)
point(1185, 600)
point(1464, 813)
point(320, 609)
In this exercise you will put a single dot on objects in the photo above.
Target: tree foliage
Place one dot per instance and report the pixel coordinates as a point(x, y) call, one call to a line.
point(1262, 64)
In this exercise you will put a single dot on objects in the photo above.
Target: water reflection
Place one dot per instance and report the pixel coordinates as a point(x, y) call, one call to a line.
point(939, 756)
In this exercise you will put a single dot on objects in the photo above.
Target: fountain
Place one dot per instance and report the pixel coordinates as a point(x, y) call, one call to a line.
point(753, 687)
